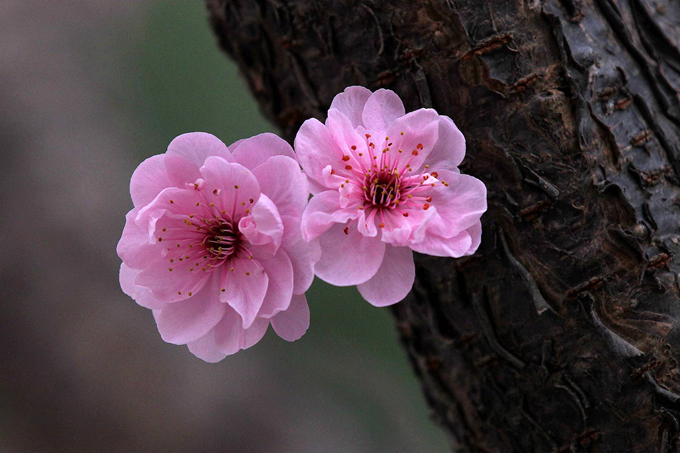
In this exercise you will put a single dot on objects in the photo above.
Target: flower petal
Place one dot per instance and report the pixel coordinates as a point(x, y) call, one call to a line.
point(257, 150)
point(231, 337)
point(394, 279)
point(303, 255)
point(188, 152)
point(322, 211)
point(475, 232)
point(420, 131)
point(279, 270)
point(134, 247)
point(190, 319)
point(459, 205)
point(231, 186)
point(449, 151)
point(381, 110)
point(292, 324)
point(351, 103)
point(244, 288)
point(284, 183)
point(263, 226)
point(139, 294)
point(454, 247)
point(348, 258)
point(148, 180)
point(205, 348)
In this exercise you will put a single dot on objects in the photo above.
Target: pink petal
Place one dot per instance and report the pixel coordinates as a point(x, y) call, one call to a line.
point(245, 288)
point(141, 295)
point(454, 247)
point(232, 187)
point(279, 270)
point(231, 337)
point(475, 232)
point(316, 149)
point(263, 226)
point(205, 348)
point(421, 129)
point(394, 279)
point(351, 103)
point(294, 322)
point(190, 319)
point(284, 183)
point(381, 110)
point(257, 150)
point(148, 180)
point(459, 206)
point(303, 255)
point(345, 136)
point(322, 212)
point(228, 337)
point(188, 152)
point(348, 259)
point(449, 151)
point(134, 247)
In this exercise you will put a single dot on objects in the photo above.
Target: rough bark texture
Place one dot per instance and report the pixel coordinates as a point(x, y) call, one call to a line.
point(560, 333)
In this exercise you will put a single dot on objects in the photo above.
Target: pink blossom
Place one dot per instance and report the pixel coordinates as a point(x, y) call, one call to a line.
point(385, 183)
point(213, 245)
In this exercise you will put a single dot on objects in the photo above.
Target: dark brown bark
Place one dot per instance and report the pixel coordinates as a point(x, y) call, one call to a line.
point(560, 333)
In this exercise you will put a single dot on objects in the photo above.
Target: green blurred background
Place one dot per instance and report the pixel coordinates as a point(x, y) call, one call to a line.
point(89, 89)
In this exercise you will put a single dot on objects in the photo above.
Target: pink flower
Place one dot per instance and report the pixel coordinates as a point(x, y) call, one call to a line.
point(213, 245)
point(385, 183)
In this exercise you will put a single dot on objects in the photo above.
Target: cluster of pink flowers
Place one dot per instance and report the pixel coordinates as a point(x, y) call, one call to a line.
point(223, 241)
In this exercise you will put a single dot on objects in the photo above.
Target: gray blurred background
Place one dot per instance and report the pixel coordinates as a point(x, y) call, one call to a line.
point(88, 89)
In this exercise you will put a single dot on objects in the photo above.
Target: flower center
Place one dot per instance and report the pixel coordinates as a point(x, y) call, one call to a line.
point(382, 189)
point(222, 239)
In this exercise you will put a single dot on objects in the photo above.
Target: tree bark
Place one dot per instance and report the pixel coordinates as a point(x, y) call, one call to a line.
point(559, 334)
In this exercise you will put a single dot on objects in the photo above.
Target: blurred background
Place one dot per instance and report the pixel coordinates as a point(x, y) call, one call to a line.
point(88, 89)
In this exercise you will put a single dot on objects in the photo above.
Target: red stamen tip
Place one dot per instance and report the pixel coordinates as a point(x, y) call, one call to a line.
point(406, 214)
point(426, 206)
point(345, 158)
point(332, 171)
point(368, 135)
point(415, 153)
point(434, 174)
point(354, 147)
point(382, 225)
point(420, 146)
point(346, 230)
point(348, 167)
point(428, 199)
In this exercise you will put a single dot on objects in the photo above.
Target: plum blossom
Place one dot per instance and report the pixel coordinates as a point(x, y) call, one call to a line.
point(385, 183)
point(213, 245)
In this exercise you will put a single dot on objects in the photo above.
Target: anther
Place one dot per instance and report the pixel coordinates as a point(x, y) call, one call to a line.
point(419, 146)
point(415, 152)
point(190, 293)
point(346, 230)
point(382, 225)
point(236, 186)
point(354, 147)
point(160, 239)
point(171, 201)
point(406, 214)
point(345, 158)
point(348, 167)
point(426, 206)
point(434, 174)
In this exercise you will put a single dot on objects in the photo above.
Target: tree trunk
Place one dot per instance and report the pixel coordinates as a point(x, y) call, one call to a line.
point(559, 334)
